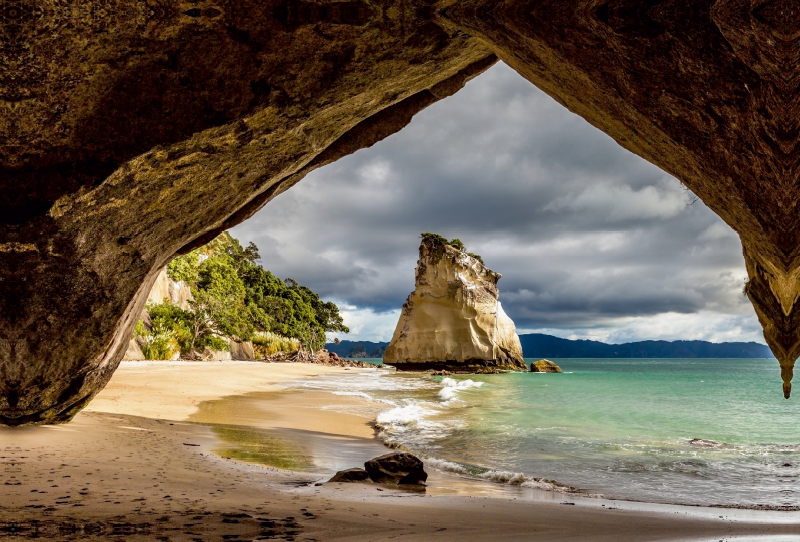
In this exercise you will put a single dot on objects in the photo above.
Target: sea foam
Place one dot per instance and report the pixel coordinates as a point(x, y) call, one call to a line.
point(498, 476)
point(451, 387)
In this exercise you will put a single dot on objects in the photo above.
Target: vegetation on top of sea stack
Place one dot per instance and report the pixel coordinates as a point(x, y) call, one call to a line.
point(455, 243)
point(235, 298)
point(434, 238)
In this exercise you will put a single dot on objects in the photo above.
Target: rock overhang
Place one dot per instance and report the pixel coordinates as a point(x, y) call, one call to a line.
point(131, 131)
point(137, 130)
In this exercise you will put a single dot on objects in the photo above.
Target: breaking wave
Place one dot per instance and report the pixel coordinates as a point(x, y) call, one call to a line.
point(498, 476)
point(423, 412)
point(451, 387)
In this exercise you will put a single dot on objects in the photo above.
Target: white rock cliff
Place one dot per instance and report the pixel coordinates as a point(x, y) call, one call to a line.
point(166, 290)
point(453, 320)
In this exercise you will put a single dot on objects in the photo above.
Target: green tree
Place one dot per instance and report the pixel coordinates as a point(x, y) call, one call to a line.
point(457, 244)
point(434, 237)
point(185, 267)
point(219, 297)
point(235, 297)
point(203, 330)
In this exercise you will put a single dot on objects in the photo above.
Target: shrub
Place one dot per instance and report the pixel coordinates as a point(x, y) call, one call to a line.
point(139, 330)
point(457, 244)
point(473, 255)
point(213, 342)
point(160, 344)
point(268, 343)
point(166, 317)
point(434, 238)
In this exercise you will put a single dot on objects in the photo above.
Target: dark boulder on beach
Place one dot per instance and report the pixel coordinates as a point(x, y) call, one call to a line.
point(545, 366)
point(350, 475)
point(396, 468)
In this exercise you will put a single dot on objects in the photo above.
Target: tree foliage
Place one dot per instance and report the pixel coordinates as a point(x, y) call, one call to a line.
point(173, 330)
point(184, 268)
point(457, 244)
point(160, 341)
point(235, 297)
point(476, 256)
point(433, 237)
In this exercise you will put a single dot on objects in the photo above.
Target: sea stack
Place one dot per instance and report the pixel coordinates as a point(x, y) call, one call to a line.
point(453, 320)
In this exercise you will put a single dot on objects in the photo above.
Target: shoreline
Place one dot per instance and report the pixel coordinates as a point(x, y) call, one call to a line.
point(257, 397)
point(123, 468)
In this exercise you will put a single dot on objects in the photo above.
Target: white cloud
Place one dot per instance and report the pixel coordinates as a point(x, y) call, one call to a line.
point(716, 231)
point(622, 202)
point(366, 324)
point(590, 239)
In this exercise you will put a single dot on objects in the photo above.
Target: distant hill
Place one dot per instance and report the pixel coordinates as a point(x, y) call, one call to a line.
point(357, 349)
point(538, 345)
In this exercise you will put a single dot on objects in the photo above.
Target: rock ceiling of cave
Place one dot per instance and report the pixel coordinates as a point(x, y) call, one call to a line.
point(133, 129)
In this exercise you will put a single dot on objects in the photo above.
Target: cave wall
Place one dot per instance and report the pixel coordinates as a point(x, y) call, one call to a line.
point(705, 89)
point(131, 131)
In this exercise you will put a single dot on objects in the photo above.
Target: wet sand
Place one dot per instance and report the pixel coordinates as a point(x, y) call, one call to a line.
point(132, 468)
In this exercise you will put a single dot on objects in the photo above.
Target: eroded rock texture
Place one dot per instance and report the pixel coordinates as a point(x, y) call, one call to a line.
point(452, 320)
point(705, 89)
point(131, 130)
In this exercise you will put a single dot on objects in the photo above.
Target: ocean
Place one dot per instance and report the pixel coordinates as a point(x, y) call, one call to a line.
point(681, 431)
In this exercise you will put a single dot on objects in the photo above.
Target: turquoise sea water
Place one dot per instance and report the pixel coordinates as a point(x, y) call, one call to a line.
point(621, 428)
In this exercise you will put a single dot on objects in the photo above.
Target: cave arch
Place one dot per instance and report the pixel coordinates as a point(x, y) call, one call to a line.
point(133, 131)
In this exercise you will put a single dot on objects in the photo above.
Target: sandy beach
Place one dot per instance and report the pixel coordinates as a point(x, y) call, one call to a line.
point(138, 464)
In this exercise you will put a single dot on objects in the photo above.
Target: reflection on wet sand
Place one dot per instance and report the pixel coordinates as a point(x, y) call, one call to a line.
point(249, 429)
point(258, 446)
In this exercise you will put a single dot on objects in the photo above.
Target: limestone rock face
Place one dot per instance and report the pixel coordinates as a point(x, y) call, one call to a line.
point(164, 290)
point(215, 355)
point(242, 351)
point(453, 319)
point(134, 351)
point(167, 290)
point(705, 89)
point(132, 133)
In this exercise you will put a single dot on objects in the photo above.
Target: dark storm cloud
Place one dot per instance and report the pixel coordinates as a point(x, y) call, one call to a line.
point(586, 235)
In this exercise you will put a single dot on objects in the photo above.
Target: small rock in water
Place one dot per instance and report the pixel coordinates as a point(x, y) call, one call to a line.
point(703, 442)
point(545, 366)
point(396, 468)
point(350, 475)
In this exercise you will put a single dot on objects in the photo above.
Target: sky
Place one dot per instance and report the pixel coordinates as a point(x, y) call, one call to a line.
point(592, 241)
